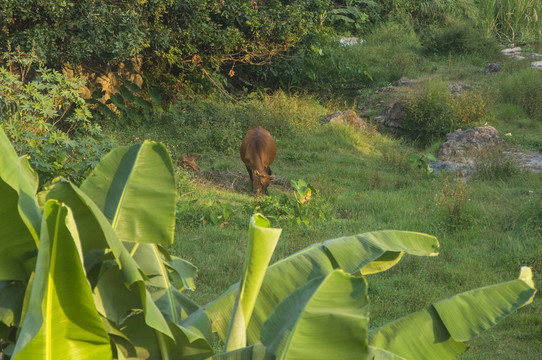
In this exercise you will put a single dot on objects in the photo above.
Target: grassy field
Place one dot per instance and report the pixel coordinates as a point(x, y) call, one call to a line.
point(487, 227)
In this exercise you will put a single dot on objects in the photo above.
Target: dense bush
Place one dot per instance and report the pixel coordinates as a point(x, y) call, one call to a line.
point(46, 118)
point(456, 39)
point(431, 110)
point(327, 66)
point(176, 38)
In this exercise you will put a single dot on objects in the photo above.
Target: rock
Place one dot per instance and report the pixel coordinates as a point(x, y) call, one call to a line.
point(534, 56)
point(466, 169)
point(404, 82)
point(511, 51)
point(517, 57)
point(457, 87)
point(463, 145)
point(393, 114)
point(536, 64)
point(352, 40)
point(348, 117)
point(492, 68)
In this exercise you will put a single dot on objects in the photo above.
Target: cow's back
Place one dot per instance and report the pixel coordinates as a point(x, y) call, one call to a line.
point(258, 148)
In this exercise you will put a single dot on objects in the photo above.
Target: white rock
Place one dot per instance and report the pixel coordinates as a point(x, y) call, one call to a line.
point(511, 51)
point(536, 65)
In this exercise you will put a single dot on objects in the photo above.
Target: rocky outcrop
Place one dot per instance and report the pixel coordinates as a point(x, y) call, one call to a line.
point(464, 150)
point(462, 145)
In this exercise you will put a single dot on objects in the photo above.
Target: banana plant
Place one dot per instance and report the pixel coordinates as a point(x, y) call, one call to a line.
point(88, 275)
point(105, 242)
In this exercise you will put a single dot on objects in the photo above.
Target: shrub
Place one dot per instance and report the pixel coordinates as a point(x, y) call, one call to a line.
point(46, 118)
point(206, 125)
point(431, 110)
point(456, 39)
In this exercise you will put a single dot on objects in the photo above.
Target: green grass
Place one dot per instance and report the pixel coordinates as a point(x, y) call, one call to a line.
point(365, 183)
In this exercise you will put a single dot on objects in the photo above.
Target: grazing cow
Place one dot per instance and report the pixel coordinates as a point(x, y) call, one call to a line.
point(258, 151)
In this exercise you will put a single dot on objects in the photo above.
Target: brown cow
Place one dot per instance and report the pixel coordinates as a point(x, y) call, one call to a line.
point(258, 151)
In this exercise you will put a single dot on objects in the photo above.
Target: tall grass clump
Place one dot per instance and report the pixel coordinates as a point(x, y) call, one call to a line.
point(432, 111)
point(458, 38)
point(523, 88)
point(206, 124)
point(512, 20)
point(390, 52)
point(496, 164)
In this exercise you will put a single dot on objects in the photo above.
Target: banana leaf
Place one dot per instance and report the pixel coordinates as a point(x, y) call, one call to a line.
point(20, 218)
point(326, 318)
point(60, 320)
point(134, 186)
point(440, 330)
point(352, 253)
point(262, 240)
point(96, 231)
point(149, 344)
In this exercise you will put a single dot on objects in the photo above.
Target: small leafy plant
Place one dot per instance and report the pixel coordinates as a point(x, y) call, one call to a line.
point(216, 212)
point(421, 162)
point(300, 209)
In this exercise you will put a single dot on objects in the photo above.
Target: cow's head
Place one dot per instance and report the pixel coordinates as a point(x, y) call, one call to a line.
point(260, 182)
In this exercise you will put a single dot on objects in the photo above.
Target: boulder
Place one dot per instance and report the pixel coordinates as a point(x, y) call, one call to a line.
point(463, 145)
point(511, 51)
point(348, 117)
point(536, 64)
point(492, 68)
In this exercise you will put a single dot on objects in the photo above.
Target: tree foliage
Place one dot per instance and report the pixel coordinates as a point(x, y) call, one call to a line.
point(175, 37)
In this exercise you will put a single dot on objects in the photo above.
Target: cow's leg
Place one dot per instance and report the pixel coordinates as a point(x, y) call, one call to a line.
point(250, 174)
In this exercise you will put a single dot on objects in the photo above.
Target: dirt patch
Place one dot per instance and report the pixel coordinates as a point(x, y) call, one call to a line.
point(234, 180)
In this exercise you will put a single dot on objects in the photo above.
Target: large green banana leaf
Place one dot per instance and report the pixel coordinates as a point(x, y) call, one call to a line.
point(438, 331)
point(174, 305)
point(60, 320)
point(262, 240)
point(20, 218)
point(149, 344)
point(96, 231)
point(326, 318)
point(182, 273)
point(253, 352)
point(352, 253)
point(134, 186)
